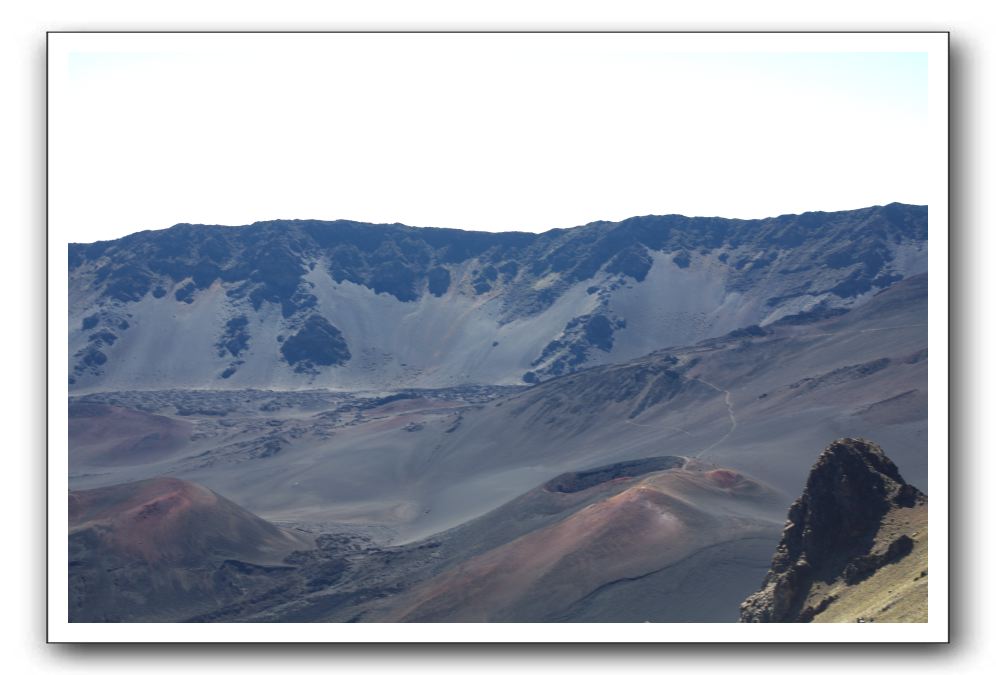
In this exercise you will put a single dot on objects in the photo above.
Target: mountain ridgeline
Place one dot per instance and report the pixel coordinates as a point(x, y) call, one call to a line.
point(304, 421)
point(352, 305)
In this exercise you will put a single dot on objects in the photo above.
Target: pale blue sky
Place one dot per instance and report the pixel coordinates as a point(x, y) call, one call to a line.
point(499, 132)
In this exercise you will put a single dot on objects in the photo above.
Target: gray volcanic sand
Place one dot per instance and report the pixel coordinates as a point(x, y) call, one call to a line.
point(105, 435)
point(458, 468)
point(569, 569)
point(424, 465)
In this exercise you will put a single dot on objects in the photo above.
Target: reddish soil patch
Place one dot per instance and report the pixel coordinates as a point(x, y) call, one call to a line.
point(725, 478)
point(115, 436)
point(170, 519)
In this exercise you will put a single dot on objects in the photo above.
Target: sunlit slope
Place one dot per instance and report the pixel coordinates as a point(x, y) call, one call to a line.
point(434, 459)
point(656, 539)
point(296, 304)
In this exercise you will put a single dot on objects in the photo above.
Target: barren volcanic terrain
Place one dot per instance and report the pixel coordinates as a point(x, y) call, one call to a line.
point(606, 423)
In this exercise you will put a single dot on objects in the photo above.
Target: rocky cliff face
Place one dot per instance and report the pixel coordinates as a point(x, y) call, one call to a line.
point(347, 304)
point(855, 517)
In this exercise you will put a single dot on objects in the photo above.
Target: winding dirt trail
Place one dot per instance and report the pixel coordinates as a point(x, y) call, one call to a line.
point(729, 409)
point(727, 399)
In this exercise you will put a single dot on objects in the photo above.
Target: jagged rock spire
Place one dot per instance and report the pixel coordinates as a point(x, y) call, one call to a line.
point(831, 529)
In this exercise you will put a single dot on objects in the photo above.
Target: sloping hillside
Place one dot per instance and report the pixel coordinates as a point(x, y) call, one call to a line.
point(294, 304)
point(162, 549)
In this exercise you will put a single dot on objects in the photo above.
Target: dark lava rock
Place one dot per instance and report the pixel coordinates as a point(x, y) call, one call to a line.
point(509, 270)
point(129, 284)
point(235, 339)
point(188, 411)
point(682, 260)
point(439, 281)
point(576, 481)
point(271, 447)
point(598, 332)
point(831, 529)
point(268, 261)
point(749, 331)
point(864, 566)
point(94, 357)
point(317, 343)
point(490, 273)
point(186, 292)
point(633, 261)
point(103, 337)
point(572, 349)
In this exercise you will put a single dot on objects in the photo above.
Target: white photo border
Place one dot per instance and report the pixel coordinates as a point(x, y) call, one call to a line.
point(936, 161)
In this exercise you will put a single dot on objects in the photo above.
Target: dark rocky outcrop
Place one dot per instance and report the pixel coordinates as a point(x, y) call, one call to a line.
point(574, 346)
point(575, 481)
point(235, 339)
point(317, 343)
point(438, 280)
point(831, 531)
point(864, 566)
